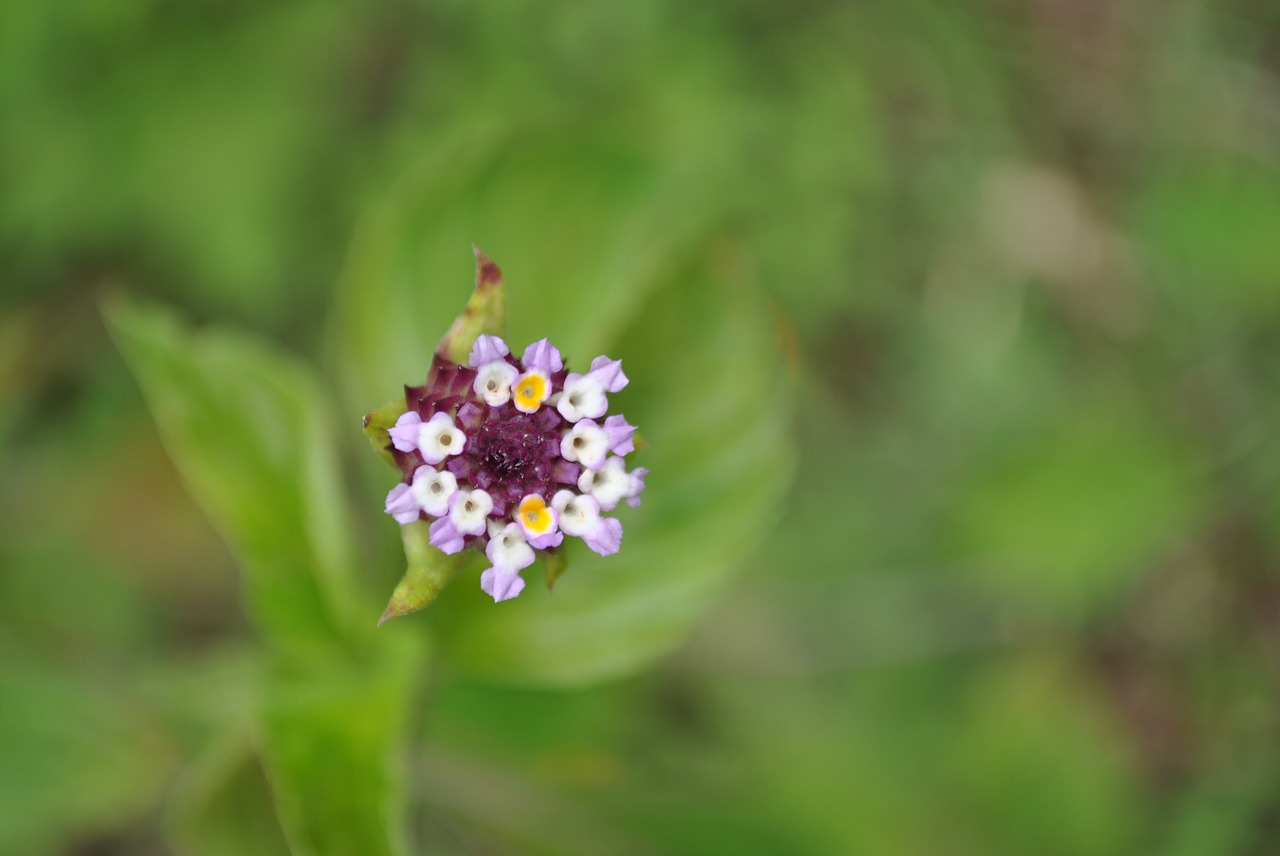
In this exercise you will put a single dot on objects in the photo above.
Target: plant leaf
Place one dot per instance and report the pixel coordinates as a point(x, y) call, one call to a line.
point(80, 757)
point(429, 572)
point(332, 742)
point(222, 805)
point(249, 430)
point(378, 423)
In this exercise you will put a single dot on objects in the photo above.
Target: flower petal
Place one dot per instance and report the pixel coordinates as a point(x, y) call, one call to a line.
point(493, 382)
point(404, 434)
point(621, 435)
point(444, 536)
point(530, 390)
point(487, 349)
point(432, 490)
point(637, 486)
point(583, 397)
point(401, 505)
point(468, 510)
point(587, 443)
point(543, 356)
point(609, 373)
point(439, 439)
point(508, 551)
point(501, 586)
point(607, 539)
point(608, 485)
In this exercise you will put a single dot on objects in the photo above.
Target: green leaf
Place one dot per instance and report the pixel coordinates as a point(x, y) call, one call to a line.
point(222, 805)
point(333, 742)
point(378, 423)
point(80, 757)
point(1069, 519)
point(429, 572)
point(249, 429)
point(555, 565)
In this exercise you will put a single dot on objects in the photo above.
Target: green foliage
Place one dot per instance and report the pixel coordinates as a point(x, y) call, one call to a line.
point(249, 430)
point(951, 332)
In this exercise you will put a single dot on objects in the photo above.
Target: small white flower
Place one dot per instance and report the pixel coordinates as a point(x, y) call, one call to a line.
point(609, 485)
point(509, 554)
point(579, 515)
point(493, 382)
point(587, 443)
point(583, 397)
point(468, 510)
point(508, 549)
point(432, 490)
point(438, 439)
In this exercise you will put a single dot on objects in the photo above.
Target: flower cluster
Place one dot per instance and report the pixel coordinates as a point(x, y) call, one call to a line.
point(510, 455)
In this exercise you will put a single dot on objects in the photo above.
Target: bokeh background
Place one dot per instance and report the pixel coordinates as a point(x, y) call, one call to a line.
point(955, 333)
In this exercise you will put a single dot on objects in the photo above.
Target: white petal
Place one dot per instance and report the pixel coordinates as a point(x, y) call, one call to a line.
point(432, 490)
point(587, 443)
point(493, 382)
point(468, 510)
point(439, 439)
point(508, 550)
point(579, 515)
point(583, 397)
point(608, 485)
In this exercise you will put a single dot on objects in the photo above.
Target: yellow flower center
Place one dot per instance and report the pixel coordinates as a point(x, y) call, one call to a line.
point(536, 516)
point(530, 391)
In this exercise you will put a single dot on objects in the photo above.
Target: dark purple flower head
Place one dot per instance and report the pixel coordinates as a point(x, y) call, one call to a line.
point(507, 455)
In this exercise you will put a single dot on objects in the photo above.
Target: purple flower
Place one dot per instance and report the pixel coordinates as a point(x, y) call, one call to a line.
point(508, 455)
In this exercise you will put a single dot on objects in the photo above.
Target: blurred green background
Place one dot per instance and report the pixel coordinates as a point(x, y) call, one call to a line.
point(953, 329)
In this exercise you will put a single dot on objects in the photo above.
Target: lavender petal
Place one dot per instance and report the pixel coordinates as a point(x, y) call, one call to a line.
point(487, 349)
point(544, 356)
